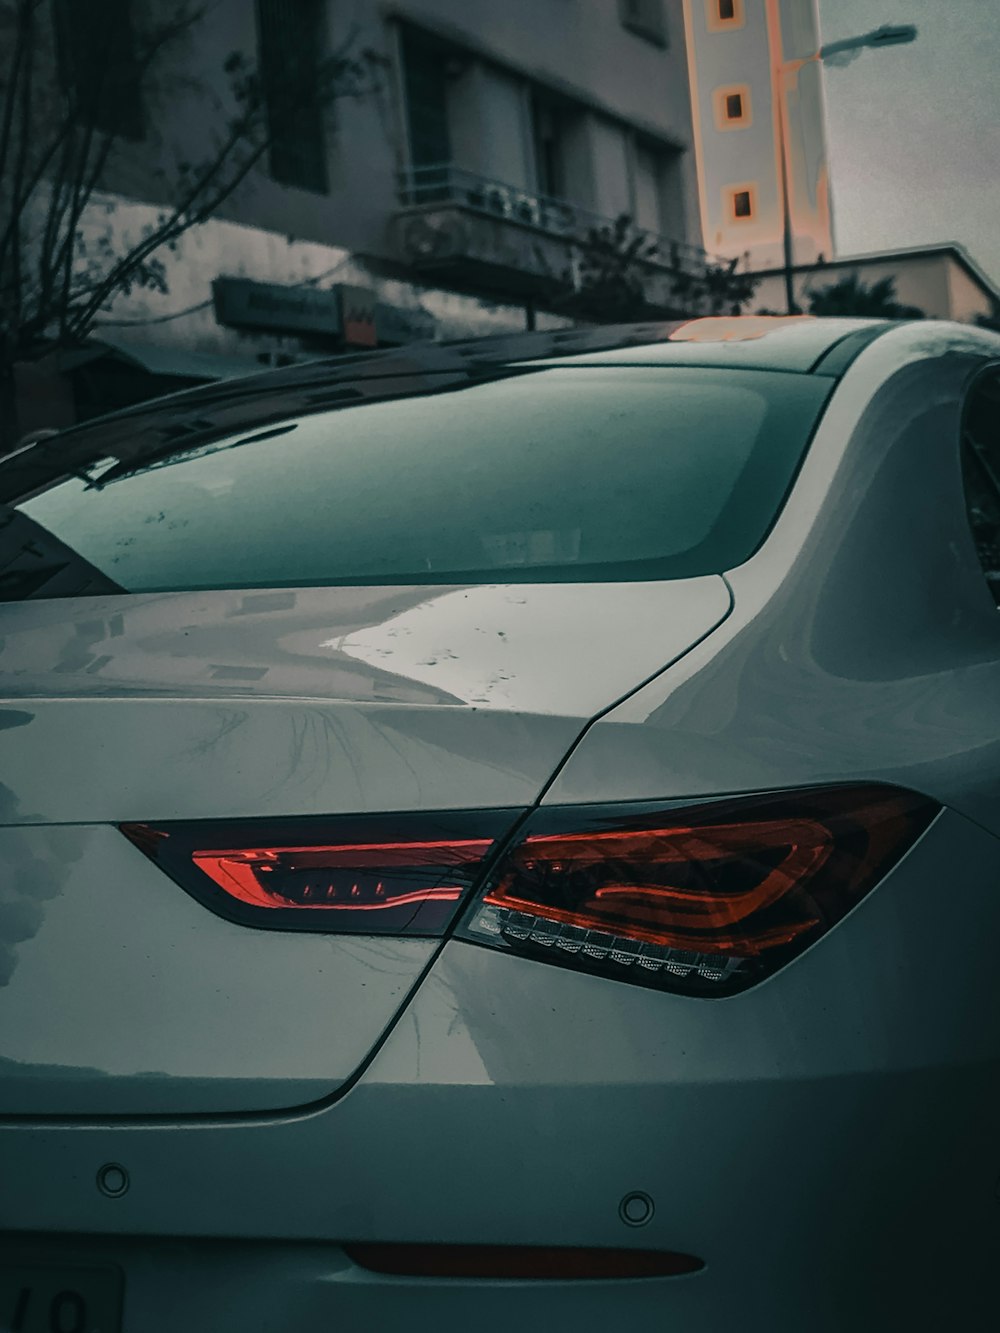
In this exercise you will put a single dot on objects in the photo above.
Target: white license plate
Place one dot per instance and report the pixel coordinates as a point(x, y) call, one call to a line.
point(43, 1298)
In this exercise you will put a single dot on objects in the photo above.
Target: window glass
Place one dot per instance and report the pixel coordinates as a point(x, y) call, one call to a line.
point(424, 69)
point(553, 475)
point(981, 470)
point(290, 47)
point(95, 45)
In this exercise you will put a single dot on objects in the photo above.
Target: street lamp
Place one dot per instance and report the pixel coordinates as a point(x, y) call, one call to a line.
point(833, 53)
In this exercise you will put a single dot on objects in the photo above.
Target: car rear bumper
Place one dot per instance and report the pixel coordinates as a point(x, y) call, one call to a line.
point(825, 1142)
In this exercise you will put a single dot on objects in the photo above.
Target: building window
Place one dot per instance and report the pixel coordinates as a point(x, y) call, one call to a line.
point(95, 47)
point(426, 82)
point(645, 18)
point(724, 14)
point(550, 126)
point(732, 107)
point(981, 473)
point(741, 202)
point(290, 49)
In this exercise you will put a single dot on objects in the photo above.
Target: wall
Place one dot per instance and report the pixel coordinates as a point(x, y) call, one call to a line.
point(935, 283)
point(967, 298)
point(578, 47)
point(740, 58)
point(184, 317)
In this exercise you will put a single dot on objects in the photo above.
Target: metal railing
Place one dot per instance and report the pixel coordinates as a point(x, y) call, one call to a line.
point(447, 184)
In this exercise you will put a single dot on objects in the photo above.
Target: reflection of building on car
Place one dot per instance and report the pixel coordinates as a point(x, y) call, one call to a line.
point(508, 832)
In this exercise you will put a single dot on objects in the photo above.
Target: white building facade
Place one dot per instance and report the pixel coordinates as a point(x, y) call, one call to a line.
point(758, 126)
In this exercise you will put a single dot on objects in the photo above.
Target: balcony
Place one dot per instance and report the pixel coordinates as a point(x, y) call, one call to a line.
point(457, 226)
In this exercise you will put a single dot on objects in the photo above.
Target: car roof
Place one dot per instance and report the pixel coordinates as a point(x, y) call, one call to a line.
point(800, 344)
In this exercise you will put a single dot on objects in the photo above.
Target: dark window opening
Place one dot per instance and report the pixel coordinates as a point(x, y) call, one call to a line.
point(742, 204)
point(425, 73)
point(727, 10)
point(981, 473)
point(290, 47)
point(97, 62)
point(550, 124)
point(734, 106)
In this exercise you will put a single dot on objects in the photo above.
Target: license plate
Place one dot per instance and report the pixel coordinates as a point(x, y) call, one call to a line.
point(47, 1298)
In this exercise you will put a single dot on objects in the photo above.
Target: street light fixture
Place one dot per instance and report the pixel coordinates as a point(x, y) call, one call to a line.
point(833, 53)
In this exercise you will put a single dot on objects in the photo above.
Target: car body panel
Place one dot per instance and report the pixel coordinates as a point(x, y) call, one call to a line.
point(864, 643)
point(825, 1140)
point(120, 993)
point(320, 701)
point(785, 1134)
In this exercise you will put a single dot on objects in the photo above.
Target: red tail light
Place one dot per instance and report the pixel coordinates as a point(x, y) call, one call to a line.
point(706, 898)
point(404, 875)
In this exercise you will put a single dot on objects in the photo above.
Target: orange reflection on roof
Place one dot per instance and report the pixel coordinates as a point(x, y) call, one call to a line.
point(732, 328)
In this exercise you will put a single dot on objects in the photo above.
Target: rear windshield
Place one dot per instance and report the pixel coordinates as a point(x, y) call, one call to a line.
point(551, 475)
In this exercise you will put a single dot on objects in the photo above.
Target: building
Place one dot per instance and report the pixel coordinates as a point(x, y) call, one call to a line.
point(759, 133)
point(942, 281)
point(451, 201)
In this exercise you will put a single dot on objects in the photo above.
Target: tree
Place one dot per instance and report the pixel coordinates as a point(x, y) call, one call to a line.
point(615, 265)
point(61, 135)
point(852, 296)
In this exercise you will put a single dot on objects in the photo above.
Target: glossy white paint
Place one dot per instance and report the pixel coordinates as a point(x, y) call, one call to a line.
point(863, 642)
point(319, 701)
point(826, 1140)
point(818, 1138)
point(121, 994)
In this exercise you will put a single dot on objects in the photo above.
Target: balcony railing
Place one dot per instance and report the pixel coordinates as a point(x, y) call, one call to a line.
point(445, 185)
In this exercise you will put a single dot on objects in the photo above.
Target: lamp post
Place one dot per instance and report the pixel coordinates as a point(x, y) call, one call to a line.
point(834, 53)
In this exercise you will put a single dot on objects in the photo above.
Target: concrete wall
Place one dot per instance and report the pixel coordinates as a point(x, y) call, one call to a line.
point(577, 46)
point(626, 89)
point(184, 317)
point(966, 296)
point(935, 283)
point(579, 49)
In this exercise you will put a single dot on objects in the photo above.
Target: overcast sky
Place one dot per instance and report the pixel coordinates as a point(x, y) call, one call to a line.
point(914, 131)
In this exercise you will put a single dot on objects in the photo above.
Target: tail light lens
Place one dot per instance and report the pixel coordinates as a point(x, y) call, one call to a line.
point(400, 875)
point(704, 899)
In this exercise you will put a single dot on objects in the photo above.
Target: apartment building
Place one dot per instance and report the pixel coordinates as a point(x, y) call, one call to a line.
point(758, 127)
point(448, 202)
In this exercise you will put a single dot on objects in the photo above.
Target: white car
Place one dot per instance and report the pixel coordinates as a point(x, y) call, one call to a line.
point(507, 835)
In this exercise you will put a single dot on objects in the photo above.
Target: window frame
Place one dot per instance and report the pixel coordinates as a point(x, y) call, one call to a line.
point(730, 193)
point(725, 122)
point(717, 23)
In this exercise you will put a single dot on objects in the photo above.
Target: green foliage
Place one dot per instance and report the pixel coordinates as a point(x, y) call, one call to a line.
point(852, 296)
point(614, 270)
